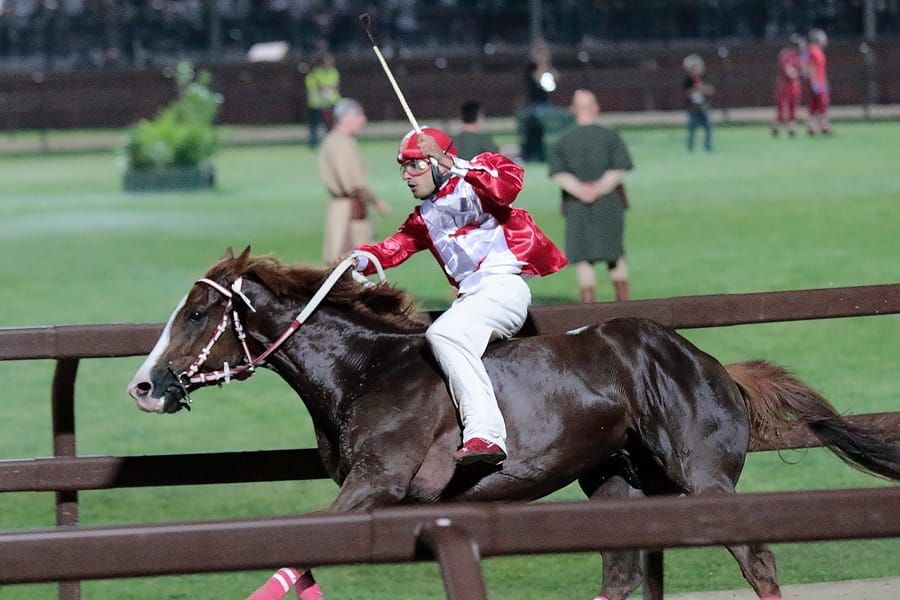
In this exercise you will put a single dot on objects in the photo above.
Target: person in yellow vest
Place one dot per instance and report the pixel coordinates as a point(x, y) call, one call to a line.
point(322, 94)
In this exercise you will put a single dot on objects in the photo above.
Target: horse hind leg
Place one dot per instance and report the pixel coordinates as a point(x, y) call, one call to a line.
point(758, 567)
point(622, 572)
point(697, 474)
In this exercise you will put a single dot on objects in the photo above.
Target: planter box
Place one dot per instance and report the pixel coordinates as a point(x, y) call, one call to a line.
point(198, 177)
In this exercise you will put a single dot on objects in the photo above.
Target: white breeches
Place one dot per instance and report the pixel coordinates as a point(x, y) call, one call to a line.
point(495, 308)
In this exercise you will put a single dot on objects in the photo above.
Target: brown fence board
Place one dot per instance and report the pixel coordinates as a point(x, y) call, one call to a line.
point(390, 535)
point(108, 472)
point(111, 340)
point(111, 472)
point(729, 309)
point(78, 341)
point(459, 559)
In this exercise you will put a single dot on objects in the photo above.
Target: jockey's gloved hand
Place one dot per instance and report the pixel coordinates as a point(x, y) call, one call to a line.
point(359, 263)
point(429, 146)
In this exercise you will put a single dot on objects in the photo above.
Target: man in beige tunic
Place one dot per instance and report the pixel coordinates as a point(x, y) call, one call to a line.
point(347, 225)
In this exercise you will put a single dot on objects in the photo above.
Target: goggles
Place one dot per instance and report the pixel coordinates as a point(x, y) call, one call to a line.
point(415, 167)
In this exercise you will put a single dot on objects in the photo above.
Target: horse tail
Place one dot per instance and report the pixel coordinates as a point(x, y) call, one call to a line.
point(777, 401)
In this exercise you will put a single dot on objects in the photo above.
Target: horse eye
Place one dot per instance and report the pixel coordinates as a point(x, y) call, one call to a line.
point(196, 316)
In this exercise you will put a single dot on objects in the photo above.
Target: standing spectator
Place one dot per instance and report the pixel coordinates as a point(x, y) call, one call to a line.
point(472, 141)
point(540, 82)
point(787, 85)
point(322, 94)
point(819, 92)
point(340, 167)
point(697, 92)
point(540, 76)
point(589, 163)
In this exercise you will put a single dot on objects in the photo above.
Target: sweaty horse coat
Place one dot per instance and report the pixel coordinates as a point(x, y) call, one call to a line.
point(625, 407)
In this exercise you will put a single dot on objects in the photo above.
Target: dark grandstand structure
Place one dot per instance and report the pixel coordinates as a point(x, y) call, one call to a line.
point(78, 34)
point(90, 63)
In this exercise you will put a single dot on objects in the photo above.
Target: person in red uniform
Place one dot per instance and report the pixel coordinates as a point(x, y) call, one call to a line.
point(819, 93)
point(787, 86)
point(486, 248)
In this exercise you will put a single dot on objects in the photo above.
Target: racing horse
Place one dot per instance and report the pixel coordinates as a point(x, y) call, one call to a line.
point(626, 407)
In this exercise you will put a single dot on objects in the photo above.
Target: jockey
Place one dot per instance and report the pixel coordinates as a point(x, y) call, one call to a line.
point(485, 248)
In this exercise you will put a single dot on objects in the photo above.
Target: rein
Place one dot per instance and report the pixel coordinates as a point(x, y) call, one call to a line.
point(192, 374)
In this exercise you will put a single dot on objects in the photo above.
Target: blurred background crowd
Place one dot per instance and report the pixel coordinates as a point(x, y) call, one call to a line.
point(107, 63)
point(78, 34)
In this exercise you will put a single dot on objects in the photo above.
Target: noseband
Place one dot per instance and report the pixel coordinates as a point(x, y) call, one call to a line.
point(193, 376)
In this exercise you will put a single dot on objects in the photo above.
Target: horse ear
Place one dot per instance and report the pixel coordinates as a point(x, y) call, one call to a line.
point(229, 254)
point(245, 254)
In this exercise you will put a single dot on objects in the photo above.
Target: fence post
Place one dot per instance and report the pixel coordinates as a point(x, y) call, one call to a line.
point(653, 574)
point(459, 559)
point(63, 413)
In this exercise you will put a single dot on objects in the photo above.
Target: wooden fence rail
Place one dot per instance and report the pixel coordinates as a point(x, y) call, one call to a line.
point(78, 473)
point(685, 312)
point(392, 535)
point(67, 474)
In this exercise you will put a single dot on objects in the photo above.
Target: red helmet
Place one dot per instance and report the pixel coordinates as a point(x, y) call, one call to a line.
point(409, 147)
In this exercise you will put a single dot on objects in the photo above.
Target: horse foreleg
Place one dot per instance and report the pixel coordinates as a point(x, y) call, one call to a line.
point(622, 572)
point(358, 493)
point(380, 484)
point(283, 580)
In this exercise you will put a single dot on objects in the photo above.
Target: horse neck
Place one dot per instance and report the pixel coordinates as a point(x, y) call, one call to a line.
point(330, 359)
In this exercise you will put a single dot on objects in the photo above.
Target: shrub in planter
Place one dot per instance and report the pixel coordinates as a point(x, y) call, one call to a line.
point(172, 151)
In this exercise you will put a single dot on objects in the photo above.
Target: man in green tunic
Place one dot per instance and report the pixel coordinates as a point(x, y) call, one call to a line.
point(472, 141)
point(589, 163)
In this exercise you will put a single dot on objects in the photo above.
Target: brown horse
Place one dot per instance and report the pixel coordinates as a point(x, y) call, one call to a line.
point(626, 407)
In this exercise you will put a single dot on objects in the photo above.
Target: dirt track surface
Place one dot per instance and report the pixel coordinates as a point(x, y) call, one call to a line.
point(860, 589)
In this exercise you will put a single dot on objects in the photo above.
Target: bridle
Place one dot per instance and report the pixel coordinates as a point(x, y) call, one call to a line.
point(230, 316)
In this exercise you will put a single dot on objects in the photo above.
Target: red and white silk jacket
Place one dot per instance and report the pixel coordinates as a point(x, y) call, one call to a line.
point(471, 229)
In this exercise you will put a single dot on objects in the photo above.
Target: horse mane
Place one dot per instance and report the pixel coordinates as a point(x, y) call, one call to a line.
point(383, 302)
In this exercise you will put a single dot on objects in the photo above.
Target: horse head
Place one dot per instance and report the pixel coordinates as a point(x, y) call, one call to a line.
point(202, 342)
point(206, 340)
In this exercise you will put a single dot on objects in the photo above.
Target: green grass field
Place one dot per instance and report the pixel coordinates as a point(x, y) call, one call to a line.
point(759, 214)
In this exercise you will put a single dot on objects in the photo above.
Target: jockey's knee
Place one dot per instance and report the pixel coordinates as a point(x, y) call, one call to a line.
point(440, 333)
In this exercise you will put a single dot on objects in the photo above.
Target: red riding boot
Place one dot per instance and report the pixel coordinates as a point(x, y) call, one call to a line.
point(478, 449)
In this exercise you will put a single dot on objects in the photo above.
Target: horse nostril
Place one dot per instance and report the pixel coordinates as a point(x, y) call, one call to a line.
point(143, 388)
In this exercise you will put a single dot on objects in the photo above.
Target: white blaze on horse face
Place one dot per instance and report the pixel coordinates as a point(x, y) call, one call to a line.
point(149, 402)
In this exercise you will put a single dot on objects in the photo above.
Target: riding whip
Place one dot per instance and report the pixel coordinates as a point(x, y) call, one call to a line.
point(366, 21)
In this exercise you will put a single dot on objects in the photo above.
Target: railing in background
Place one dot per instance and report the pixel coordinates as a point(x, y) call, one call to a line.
point(626, 77)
